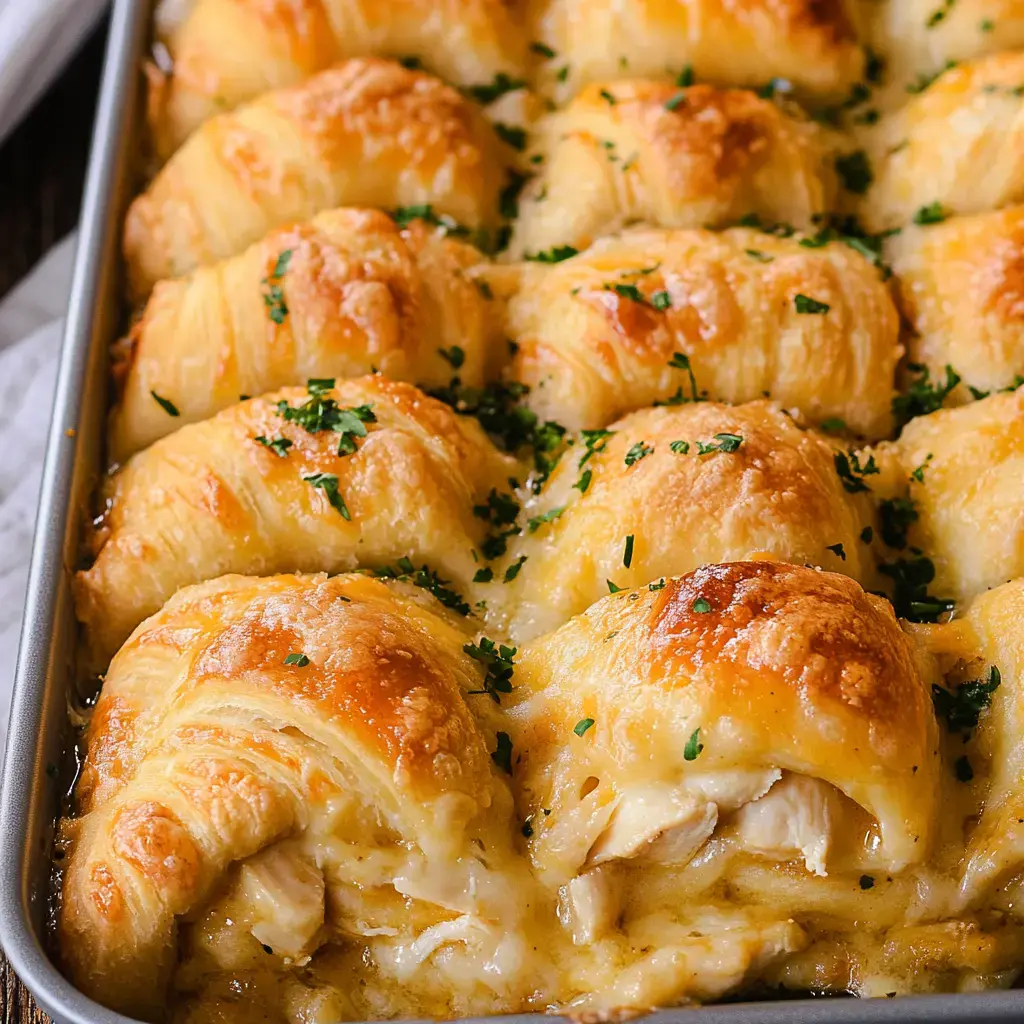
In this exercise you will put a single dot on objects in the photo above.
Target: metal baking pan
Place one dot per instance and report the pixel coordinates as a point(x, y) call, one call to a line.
point(40, 739)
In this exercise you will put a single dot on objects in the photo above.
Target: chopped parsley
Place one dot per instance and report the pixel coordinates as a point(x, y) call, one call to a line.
point(725, 443)
point(681, 361)
point(500, 511)
point(757, 254)
point(278, 445)
point(805, 304)
point(513, 570)
point(963, 770)
point(297, 659)
point(933, 213)
point(556, 254)
point(454, 356)
point(484, 575)
point(962, 707)
point(582, 726)
point(939, 14)
point(614, 588)
point(534, 523)
point(607, 97)
point(627, 554)
point(836, 549)
point(854, 170)
point(922, 396)
point(661, 300)
point(320, 413)
point(680, 447)
point(918, 474)
point(595, 442)
point(685, 77)
point(693, 747)
point(834, 425)
point(867, 535)
point(498, 664)
point(494, 90)
point(426, 578)
point(502, 753)
point(638, 451)
point(896, 516)
point(273, 295)
point(657, 585)
point(166, 404)
point(403, 216)
point(701, 606)
point(328, 483)
point(543, 50)
point(866, 882)
point(911, 577)
point(511, 135)
point(583, 483)
point(852, 473)
point(676, 101)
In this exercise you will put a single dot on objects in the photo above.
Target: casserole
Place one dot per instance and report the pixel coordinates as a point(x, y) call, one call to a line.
point(38, 728)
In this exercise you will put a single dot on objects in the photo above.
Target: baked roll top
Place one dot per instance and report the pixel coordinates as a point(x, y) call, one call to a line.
point(924, 171)
point(664, 491)
point(365, 133)
point(643, 150)
point(961, 286)
point(699, 695)
point(358, 475)
point(810, 43)
point(995, 851)
point(328, 711)
point(602, 333)
point(225, 52)
point(342, 295)
point(968, 493)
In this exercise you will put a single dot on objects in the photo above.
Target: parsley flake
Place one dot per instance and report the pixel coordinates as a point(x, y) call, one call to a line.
point(836, 549)
point(922, 396)
point(933, 213)
point(680, 447)
point(583, 483)
point(511, 135)
point(614, 588)
point(627, 554)
point(273, 294)
point(513, 570)
point(279, 445)
point(502, 753)
point(582, 726)
point(963, 769)
point(866, 882)
point(556, 254)
point(426, 578)
point(854, 170)
point(498, 664)
point(805, 304)
point(501, 84)
point(534, 523)
point(166, 404)
point(454, 356)
point(757, 254)
point(962, 707)
point(638, 451)
point(328, 483)
point(693, 747)
point(676, 101)
point(701, 606)
point(299, 660)
point(543, 50)
point(851, 472)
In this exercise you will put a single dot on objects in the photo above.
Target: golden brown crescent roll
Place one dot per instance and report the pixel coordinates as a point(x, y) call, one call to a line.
point(597, 333)
point(762, 485)
point(969, 497)
point(225, 52)
point(919, 36)
point(323, 721)
point(341, 295)
point(961, 286)
point(359, 475)
point(995, 623)
point(809, 42)
point(925, 171)
point(364, 133)
point(650, 151)
point(707, 699)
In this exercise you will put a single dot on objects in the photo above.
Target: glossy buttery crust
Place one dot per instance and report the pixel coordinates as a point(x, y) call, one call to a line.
point(643, 150)
point(371, 744)
point(590, 353)
point(777, 495)
point(358, 294)
point(366, 132)
point(918, 161)
point(812, 43)
point(226, 52)
point(209, 499)
point(961, 287)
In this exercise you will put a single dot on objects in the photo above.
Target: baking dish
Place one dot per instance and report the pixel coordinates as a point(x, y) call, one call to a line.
point(37, 767)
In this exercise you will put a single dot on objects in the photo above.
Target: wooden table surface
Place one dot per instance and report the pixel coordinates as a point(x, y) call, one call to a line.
point(42, 167)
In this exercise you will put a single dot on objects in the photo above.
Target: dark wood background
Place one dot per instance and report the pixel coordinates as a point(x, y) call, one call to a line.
point(42, 168)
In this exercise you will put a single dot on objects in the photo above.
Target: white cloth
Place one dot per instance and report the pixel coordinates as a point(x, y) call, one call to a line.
point(30, 331)
point(36, 39)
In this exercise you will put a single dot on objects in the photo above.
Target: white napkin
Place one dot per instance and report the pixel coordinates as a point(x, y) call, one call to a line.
point(36, 39)
point(30, 331)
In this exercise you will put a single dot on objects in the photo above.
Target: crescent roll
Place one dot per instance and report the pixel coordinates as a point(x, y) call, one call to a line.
point(359, 475)
point(598, 334)
point(675, 157)
point(690, 485)
point(324, 721)
point(810, 43)
point(341, 295)
point(364, 133)
point(919, 36)
point(923, 171)
point(775, 669)
point(226, 52)
point(961, 286)
point(968, 493)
